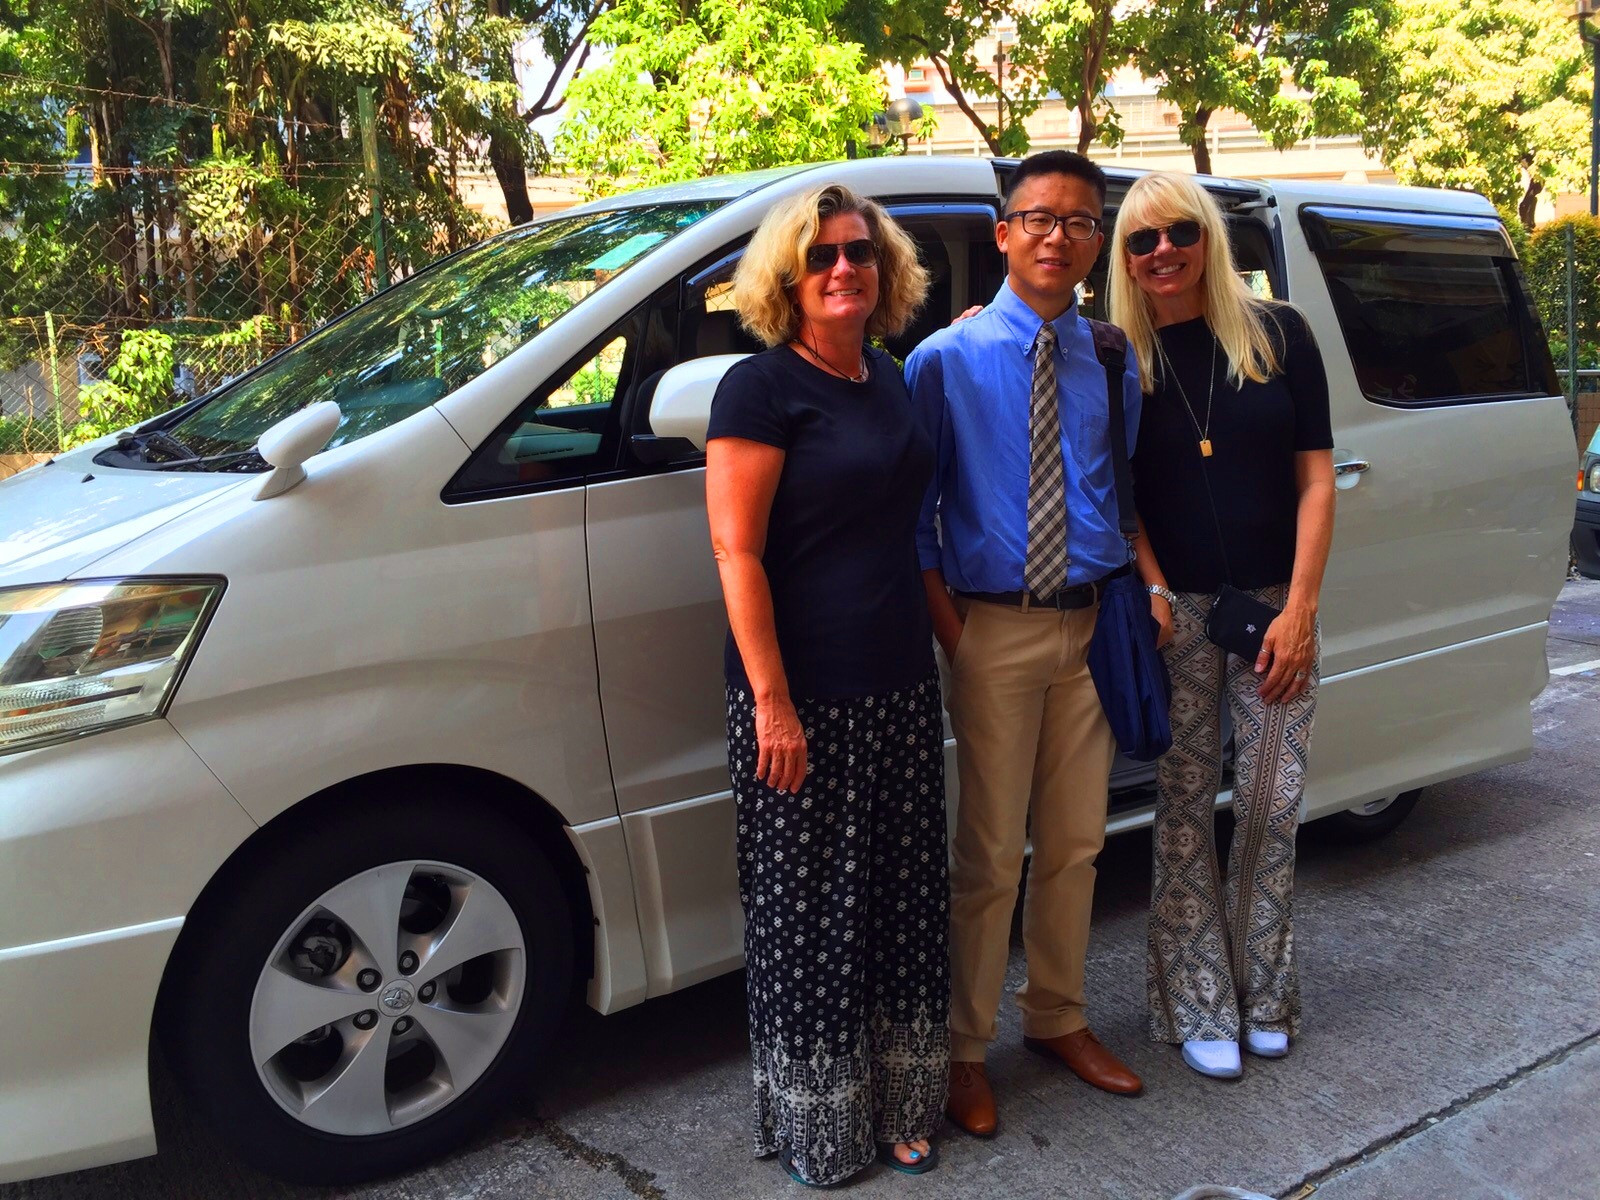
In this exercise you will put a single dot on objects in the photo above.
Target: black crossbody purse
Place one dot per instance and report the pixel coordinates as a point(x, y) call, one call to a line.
point(1237, 621)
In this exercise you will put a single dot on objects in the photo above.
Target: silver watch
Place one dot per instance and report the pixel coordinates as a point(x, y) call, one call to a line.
point(1167, 594)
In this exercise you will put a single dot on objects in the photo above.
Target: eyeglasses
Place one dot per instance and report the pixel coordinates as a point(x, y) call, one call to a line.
point(1036, 222)
point(821, 256)
point(1180, 233)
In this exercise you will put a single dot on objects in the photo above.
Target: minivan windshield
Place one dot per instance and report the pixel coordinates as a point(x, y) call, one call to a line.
point(417, 341)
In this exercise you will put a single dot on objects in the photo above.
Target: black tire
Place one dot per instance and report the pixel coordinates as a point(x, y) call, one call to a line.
point(1352, 828)
point(207, 999)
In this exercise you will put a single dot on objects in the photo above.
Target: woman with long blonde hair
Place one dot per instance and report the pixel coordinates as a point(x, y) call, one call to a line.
point(815, 473)
point(1234, 476)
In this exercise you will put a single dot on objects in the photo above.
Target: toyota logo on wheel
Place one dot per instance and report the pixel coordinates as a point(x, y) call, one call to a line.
point(397, 997)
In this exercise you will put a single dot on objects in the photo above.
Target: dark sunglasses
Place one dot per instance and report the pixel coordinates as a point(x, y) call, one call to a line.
point(820, 256)
point(1180, 233)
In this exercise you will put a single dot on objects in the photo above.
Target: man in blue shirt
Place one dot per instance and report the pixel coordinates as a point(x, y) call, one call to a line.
point(1015, 402)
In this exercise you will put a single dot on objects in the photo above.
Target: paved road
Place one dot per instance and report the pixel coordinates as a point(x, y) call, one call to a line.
point(1452, 1046)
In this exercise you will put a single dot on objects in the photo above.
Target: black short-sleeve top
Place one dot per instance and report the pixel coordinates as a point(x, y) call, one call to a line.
point(841, 553)
point(1255, 432)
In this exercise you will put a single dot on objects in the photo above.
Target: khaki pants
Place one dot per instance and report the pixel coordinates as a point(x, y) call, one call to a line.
point(1028, 726)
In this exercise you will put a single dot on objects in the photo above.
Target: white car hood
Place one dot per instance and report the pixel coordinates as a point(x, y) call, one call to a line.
point(59, 518)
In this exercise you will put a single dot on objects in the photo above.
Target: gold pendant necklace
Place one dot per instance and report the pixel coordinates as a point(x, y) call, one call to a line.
point(1211, 394)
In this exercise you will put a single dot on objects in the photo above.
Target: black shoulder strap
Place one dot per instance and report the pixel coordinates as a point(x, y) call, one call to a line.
point(1111, 348)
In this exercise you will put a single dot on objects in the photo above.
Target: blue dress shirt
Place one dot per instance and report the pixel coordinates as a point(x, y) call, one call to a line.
point(970, 388)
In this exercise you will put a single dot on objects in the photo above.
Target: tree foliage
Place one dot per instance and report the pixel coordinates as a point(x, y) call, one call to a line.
point(947, 34)
point(1071, 47)
point(694, 88)
point(1477, 85)
point(1212, 54)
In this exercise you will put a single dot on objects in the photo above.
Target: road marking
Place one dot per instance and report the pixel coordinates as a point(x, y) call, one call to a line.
point(1577, 668)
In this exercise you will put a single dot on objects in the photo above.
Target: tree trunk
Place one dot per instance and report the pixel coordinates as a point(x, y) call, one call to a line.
point(511, 169)
point(191, 294)
point(947, 80)
point(123, 240)
point(1528, 206)
point(505, 152)
point(296, 285)
point(1089, 85)
point(155, 248)
point(1200, 147)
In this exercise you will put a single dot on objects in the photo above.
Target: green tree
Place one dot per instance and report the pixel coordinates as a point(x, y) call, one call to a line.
point(561, 29)
point(1212, 54)
point(1070, 47)
point(695, 88)
point(1545, 263)
point(138, 386)
point(946, 34)
point(1479, 84)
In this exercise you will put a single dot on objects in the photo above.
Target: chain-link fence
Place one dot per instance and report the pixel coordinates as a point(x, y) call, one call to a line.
point(153, 289)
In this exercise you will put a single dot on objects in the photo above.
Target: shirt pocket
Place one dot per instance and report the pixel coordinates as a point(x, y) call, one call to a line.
point(1093, 442)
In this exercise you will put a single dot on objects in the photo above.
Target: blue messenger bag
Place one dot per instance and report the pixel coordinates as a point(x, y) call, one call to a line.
point(1128, 671)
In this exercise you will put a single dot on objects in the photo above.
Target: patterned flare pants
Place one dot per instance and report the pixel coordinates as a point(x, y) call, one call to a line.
point(1221, 951)
point(846, 899)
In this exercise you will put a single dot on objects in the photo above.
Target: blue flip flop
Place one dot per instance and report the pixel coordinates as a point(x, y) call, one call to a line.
point(924, 1164)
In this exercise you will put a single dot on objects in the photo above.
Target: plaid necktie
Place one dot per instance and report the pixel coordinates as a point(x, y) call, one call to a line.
point(1046, 567)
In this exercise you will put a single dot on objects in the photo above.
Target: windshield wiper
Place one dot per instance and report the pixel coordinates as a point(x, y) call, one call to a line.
point(237, 460)
point(159, 440)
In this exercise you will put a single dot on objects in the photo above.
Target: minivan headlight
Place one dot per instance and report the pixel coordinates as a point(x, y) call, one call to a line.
point(1594, 476)
point(76, 658)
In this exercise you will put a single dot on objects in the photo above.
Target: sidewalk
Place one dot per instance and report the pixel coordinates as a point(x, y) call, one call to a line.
point(1535, 1139)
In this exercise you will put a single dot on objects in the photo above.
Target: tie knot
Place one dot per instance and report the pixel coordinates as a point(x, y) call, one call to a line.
point(1045, 343)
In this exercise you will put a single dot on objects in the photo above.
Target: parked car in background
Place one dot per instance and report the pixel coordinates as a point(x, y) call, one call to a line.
point(353, 715)
point(1586, 526)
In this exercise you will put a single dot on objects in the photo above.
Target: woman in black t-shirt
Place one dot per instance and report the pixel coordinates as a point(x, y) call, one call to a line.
point(815, 472)
point(1233, 474)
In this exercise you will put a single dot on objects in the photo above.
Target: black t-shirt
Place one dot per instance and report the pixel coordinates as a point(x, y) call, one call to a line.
point(841, 554)
point(1255, 433)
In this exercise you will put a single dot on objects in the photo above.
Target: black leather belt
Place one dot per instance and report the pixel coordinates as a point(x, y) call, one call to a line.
point(1079, 596)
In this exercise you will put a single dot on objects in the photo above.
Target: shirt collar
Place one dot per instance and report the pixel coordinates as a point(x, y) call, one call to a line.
point(1024, 324)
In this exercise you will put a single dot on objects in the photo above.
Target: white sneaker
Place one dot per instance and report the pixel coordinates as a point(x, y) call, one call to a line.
point(1218, 1059)
point(1265, 1043)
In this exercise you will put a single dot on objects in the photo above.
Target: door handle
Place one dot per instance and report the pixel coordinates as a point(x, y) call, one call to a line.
point(1348, 469)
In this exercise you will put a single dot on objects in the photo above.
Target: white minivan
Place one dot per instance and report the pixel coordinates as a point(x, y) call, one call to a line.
point(354, 716)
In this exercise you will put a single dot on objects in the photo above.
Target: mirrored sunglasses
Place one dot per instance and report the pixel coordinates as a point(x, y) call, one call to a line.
point(1180, 233)
point(821, 256)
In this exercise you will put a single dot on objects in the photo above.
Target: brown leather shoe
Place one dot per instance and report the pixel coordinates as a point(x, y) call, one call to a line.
point(971, 1103)
point(1089, 1060)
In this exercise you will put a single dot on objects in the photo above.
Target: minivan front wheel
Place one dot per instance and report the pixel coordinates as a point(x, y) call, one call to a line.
point(371, 991)
point(1365, 822)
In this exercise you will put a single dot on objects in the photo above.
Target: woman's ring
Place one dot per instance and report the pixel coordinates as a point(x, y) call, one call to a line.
point(1299, 674)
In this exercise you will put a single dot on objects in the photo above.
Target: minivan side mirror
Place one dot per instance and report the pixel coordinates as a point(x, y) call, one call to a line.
point(293, 440)
point(681, 406)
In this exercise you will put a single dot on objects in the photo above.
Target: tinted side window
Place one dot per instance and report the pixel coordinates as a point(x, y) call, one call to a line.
point(564, 432)
point(1433, 308)
point(955, 243)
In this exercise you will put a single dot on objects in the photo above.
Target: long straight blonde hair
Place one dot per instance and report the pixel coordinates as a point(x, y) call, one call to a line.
point(1237, 317)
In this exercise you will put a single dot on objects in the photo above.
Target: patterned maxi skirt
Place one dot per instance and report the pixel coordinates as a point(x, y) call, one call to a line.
point(846, 895)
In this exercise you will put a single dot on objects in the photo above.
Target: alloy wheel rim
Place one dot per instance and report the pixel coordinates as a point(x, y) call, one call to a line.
point(388, 997)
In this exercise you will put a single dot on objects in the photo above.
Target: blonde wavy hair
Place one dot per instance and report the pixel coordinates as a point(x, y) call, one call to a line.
point(763, 285)
point(1239, 319)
